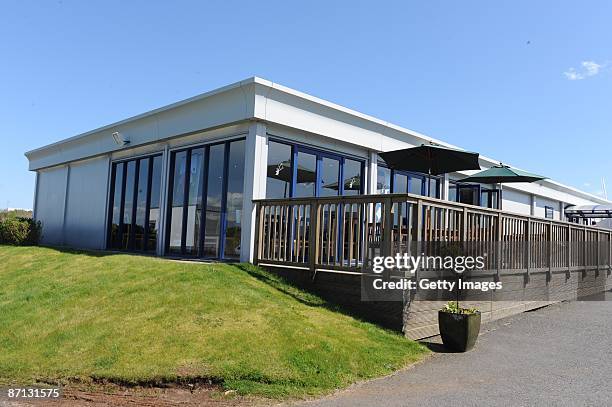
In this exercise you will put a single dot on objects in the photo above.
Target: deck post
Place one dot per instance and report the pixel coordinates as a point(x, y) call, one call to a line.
point(569, 250)
point(528, 244)
point(313, 237)
point(258, 232)
point(584, 248)
point(550, 247)
point(387, 245)
point(609, 251)
point(499, 238)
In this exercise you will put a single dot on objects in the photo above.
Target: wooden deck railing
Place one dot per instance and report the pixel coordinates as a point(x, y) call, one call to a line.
point(341, 233)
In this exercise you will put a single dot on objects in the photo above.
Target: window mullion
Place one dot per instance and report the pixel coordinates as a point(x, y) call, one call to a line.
point(185, 201)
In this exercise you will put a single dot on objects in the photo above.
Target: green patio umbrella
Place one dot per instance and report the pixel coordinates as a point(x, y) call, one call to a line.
point(501, 174)
point(431, 159)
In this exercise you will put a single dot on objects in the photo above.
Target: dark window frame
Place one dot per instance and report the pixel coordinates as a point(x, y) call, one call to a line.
point(552, 212)
point(319, 155)
point(436, 181)
point(111, 196)
point(204, 188)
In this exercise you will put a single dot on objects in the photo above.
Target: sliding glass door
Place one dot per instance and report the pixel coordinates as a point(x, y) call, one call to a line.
point(134, 204)
point(205, 201)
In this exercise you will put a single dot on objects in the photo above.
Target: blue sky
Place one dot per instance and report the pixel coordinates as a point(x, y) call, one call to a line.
point(525, 82)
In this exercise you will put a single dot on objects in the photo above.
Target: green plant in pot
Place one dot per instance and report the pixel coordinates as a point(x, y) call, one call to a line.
point(459, 327)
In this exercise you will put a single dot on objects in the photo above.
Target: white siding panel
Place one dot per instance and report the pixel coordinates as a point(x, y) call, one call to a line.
point(516, 202)
point(86, 204)
point(50, 199)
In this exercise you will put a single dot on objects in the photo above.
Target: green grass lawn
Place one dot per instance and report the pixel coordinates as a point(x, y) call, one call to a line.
point(135, 319)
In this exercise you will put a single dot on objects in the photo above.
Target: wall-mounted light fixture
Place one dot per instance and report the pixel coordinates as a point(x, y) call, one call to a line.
point(120, 139)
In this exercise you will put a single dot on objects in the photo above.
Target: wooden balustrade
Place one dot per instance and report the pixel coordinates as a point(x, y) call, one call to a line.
point(342, 233)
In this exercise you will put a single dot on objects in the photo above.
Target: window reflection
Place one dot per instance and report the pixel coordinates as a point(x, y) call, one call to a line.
point(400, 185)
point(115, 231)
point(214, 200)
point(278, 182)
point(152, 231)
point(178, 197)
point(330, 172)
point(132, 181)
point(194, 203)
point(235, 186)
point(352, 177)
point(141, 203)
point(128, 204)
point(383, 180)
point(306, 175)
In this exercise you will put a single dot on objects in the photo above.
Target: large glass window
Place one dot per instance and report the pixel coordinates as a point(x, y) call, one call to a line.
point(317, 173)
point(306, 175)
point(134, 204)
point(194, 201)
point(383, 180)
point(235, 186)
point(400, 185)
point(116, 199)
point(128, 205)
point(489, 198)
point(352, 177)
point(153, 219)
point(206, 221)
point(406, 182)
point(177, 200)
point(330, 173)
point(214, 200)
point(278, 182)
point(141, 203)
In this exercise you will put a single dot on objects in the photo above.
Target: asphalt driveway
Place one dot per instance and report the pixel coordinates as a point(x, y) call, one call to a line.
point(560, 355)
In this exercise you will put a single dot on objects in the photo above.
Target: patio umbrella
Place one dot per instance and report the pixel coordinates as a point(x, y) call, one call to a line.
point(431, 159)
point(500, 174)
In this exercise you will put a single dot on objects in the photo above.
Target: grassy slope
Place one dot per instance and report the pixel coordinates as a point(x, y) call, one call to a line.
point(138, 319)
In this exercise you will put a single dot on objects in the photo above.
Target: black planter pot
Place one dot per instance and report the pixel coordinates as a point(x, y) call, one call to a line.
point(459, 331)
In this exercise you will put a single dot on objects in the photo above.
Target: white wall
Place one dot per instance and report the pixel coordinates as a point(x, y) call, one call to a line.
point(541, 202)
point(516, 202)
point(50, 200)
point(85, 224)
point(71, 204)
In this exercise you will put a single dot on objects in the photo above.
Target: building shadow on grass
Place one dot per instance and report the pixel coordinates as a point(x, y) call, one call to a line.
point(314, 293)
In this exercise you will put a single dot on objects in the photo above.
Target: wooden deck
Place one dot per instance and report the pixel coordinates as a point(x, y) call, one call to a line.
point(342, 234)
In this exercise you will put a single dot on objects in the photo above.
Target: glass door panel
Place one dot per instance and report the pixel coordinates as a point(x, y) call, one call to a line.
point(330, 176)
point(153, 219)
point(214, 199)
point(128, 205)
point(416, 185)
point(383, 180)
point(177, 201)
point(400, 184)
point(351, 174)
point(194, 202)
point(235, 186)
point(115, 227)
point(306, 175)
point(141, 203)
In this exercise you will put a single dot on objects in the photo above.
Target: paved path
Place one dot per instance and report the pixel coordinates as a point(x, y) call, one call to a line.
point(556, 356)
